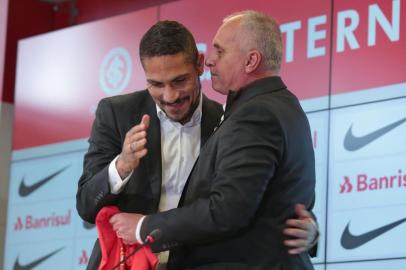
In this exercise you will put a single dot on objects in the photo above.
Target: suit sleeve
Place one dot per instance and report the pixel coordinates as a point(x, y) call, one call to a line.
point(250, 146)
point(104, 145)
point(313, 250)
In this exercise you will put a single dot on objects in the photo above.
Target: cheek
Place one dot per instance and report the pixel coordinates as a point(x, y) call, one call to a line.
point(225, 69)
point(155, 94)
point(192, 89)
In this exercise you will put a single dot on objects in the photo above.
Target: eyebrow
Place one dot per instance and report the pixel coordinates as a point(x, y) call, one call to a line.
point(152, 81)
point(217, 46)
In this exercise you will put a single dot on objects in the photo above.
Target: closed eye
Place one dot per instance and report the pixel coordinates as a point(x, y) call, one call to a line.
point(155, 83)
point(179, 81)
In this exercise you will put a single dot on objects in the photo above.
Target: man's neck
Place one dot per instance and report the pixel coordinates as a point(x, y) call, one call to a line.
point(255, 76)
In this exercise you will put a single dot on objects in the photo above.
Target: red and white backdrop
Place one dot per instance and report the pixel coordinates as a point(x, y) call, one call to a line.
point(345, 60)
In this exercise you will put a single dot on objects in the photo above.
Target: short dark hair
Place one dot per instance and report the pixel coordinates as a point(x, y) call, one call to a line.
point(168, 38)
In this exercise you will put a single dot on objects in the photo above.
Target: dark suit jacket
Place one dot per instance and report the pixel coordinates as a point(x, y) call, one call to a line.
point(256, 166)
point(114, 117)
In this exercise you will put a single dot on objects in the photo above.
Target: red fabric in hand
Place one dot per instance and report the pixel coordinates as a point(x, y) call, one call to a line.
point(111, 245)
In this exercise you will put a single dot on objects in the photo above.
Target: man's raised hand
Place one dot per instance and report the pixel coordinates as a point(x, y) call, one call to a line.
point(133, 148)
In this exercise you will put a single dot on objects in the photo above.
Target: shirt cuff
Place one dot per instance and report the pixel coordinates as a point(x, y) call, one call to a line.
point(138, 230)
point(116, 183)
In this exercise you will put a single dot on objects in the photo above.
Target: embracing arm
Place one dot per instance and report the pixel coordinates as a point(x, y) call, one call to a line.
point(302, 232)
point(246, 160)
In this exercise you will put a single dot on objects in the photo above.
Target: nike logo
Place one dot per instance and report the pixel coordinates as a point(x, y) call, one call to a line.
point(88, 226)
point(350, 241)
point(353, 143)
point(31, 265)
point(25, 190)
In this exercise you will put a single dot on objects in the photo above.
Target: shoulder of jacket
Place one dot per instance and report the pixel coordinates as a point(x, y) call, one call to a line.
point(122, 100)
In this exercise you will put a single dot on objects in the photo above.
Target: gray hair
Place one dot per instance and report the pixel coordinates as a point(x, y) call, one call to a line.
point(264, 35)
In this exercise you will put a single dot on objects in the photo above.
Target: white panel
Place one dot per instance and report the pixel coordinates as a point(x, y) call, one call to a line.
point(45, 256)
point(43, 179)
point(314, 104)
point(373, 130)
point(372, 265)
point(367, 182)
point(39, 222)
point(83, 249)
point(42, 214)
point(369, 95)
point(319, 130)
point(319, 267)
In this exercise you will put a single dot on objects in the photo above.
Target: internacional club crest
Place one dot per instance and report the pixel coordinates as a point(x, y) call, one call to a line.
point(115, 71)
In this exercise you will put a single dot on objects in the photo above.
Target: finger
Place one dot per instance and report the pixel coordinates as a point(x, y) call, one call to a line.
point(297, 233)
point(125, 237)
point(137, 136)
point(116, 227)
point(113, 219)
point(295, 243)
point(142, 126)
point(135, 129)
point(126, 242)
point(296, 250)
point(298, 223)
point(138, 145)
point(141, 154)
point(301, 211)
point(145, 121)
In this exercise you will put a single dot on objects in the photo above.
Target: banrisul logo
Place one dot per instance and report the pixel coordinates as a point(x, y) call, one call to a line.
point(31, 222)
point(365, 182)
point(115, 71)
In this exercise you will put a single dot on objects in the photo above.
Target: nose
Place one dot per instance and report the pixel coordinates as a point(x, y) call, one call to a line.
point(170, 95)
point(209, 62)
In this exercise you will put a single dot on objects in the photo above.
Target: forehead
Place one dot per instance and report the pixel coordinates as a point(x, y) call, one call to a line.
point(168, 67)
point(227, 33)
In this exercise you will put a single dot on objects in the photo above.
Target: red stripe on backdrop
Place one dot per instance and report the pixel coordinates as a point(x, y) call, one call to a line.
point(359, 64)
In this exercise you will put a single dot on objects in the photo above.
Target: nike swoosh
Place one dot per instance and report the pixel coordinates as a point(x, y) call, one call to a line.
point(31, 265)
point(88, 226)
point(25, 190)
point(353, 143)
point(350, 241)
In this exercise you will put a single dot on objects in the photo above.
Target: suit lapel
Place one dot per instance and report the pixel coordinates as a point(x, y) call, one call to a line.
point(211, 114)
point(153, 158)
point(210, 118)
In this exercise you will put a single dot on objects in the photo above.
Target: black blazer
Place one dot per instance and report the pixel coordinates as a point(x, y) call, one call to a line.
point(256, 166)
point(114, 117)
